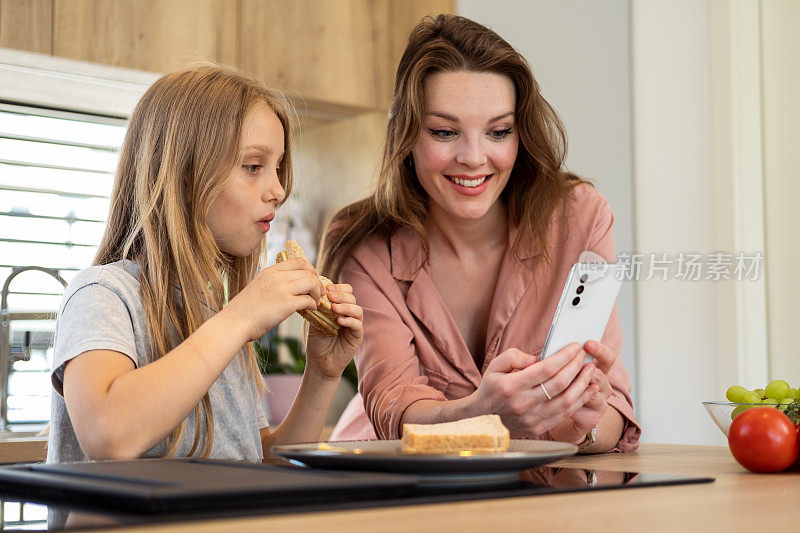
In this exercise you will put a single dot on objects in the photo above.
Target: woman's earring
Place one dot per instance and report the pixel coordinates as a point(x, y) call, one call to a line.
point(409, 162)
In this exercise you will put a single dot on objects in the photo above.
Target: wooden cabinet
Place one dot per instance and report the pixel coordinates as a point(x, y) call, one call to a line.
point(403, 16)
point(335, 55)
point(336, 52)
point(152, 35)
point(27, 25)
point(329, 51)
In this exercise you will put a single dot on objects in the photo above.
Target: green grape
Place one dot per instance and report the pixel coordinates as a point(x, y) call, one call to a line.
point(770, 401)
point(739, 410)
point(795, 393)
point(761, 393)
point(736, 394)
point(777, 389)
point(751, 397)
point(787, 400)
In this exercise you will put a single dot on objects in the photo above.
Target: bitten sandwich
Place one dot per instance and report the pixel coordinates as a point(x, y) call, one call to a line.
point(322, 318)
point(480, 434)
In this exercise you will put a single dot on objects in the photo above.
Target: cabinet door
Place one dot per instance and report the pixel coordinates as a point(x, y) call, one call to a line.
point(145, 34)
point(403, 16)
point(27, 25)
point(332, 53)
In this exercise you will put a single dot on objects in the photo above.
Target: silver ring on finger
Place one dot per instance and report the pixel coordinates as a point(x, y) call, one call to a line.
point(545, 391)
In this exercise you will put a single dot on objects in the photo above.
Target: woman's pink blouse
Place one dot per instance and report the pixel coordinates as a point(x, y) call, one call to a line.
point(412, 348)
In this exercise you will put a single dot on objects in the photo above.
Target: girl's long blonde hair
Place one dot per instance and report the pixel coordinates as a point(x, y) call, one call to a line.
point(538, 184)
point(182, 142)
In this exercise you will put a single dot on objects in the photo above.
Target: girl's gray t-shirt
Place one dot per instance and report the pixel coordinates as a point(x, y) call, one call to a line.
point(102, 310)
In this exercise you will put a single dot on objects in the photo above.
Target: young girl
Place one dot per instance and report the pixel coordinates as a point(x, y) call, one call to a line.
point(152, 348)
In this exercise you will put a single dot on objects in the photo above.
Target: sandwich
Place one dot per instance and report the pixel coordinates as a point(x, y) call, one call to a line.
point(322, 318)
point(480, 434)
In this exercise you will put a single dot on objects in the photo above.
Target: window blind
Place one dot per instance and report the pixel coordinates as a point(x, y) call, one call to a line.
point(56, 175)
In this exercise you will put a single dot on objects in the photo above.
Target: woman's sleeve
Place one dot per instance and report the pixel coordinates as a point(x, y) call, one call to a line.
point(389, 375)
point(602, 242)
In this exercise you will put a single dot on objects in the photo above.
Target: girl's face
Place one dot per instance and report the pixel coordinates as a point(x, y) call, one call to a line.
point(240, 216)
point(468, 141)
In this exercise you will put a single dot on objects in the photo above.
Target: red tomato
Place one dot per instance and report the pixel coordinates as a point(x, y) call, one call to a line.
point(763, 439)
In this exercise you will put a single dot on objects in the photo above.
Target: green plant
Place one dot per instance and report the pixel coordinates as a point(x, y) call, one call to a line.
point(270, 363)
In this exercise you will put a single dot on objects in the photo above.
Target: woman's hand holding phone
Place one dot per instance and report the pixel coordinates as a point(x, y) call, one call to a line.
point(588, 415)
point(516, 386)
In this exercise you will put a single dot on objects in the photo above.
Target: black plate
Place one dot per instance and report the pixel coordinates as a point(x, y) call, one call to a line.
point(386, 456)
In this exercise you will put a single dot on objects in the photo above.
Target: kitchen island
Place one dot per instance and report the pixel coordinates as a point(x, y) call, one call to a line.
point(737, 501)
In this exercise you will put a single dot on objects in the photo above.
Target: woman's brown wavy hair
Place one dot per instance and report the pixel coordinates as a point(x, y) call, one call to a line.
point(182, 142)
point(538, 183)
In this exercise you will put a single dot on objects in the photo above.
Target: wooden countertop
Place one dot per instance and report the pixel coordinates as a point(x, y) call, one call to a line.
point(737, 501)
point(21, 449)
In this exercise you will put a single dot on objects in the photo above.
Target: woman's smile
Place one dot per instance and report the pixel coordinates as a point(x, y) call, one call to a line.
point(469, 185)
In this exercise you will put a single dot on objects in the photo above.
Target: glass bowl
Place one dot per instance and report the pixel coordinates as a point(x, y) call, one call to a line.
point(722, 413)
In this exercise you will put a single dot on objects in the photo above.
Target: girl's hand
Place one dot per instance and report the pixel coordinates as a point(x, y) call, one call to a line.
point(512, 388)
point(330, 355)
point(274, 294)
point(588, 416)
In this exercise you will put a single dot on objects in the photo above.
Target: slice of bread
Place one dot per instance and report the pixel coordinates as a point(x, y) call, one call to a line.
point(323, 318)
point(480, 434)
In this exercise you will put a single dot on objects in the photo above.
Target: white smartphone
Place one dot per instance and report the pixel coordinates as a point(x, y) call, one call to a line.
point(585, 306)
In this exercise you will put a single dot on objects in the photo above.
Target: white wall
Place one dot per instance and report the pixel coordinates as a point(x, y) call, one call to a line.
point(715, 109)
point(781, 86)
point(579, 51)
point(675, 198)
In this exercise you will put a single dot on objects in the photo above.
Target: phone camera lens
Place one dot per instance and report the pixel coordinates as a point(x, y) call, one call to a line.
point(580, 289)
point(584, 278)
point(576, 300)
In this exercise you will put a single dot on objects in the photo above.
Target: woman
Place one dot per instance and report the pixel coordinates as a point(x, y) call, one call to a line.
point(459, 257)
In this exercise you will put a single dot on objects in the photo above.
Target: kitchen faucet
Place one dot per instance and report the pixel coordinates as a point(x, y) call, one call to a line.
point(6, 359)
